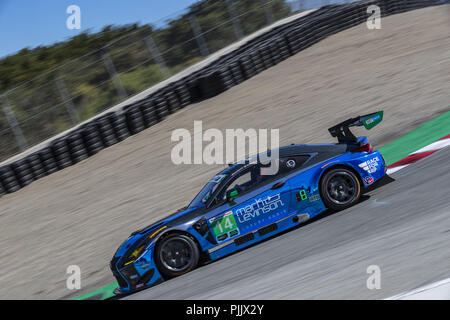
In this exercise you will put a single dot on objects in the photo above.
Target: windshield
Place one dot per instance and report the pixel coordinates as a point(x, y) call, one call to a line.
point(207, 191)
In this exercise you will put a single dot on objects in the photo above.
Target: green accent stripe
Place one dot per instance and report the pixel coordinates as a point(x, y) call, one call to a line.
point(100, 294)
point(392, 152)
point(416, 139)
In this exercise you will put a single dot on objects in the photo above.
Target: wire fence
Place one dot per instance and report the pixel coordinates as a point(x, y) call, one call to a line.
point(78, 90)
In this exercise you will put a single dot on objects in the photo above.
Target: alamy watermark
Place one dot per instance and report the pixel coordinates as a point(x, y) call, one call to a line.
point(73, 282)
point(374, 280)
point(226, 148)
point(74, 20)
point(374, 20)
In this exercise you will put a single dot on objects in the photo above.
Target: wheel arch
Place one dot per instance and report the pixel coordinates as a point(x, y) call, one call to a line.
point(335, 166)
point(169, 232)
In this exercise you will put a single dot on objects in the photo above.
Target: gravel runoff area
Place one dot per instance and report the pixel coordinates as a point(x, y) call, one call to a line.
point(80, 215)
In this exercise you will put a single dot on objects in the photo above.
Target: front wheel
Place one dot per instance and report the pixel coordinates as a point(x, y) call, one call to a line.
point(340, 188)
point(176, 254)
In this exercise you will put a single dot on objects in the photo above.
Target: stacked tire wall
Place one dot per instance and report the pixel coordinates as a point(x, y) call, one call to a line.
point(229, 70)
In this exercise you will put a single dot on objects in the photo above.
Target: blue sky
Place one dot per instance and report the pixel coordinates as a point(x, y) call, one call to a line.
point(30, 23)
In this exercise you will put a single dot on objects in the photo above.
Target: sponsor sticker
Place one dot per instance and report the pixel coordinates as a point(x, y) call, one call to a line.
point(370, 165)
point(368, 180)
point(372, 121)
point(224, 227)
point(260, 207)
point(290, 163)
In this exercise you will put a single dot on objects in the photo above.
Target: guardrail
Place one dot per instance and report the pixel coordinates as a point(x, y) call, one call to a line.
point(227, 70)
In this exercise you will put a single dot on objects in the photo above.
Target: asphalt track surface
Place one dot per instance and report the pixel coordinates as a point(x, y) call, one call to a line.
point(80, 215)
point(403, 227)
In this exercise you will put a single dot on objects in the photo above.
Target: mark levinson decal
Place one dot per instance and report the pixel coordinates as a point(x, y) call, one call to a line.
point(259, 207)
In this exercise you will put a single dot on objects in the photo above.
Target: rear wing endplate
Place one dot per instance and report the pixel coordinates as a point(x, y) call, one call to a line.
point(343, 133)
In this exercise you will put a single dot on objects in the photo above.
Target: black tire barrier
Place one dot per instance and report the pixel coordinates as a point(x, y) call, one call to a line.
point(225, 77)
point(2, 190)
point(61, 153)
point(78, 151)
point(172, 101)
point(194, 89)
point(119, 124)
point(161, 107)
point(247, 66)
point(274, 51)
point(236, 72)
point(182, 92)
point(135, 120)
point(36, 166)
point(149, 114)
point(91, 138)
point(257, 61)
point(106, 130)
point(231, 69)
point(215, 82)
point(209, 85)
point(266, 55)
point(283, 47)
point(48, 160)
point(8, 179)
point(22, 172)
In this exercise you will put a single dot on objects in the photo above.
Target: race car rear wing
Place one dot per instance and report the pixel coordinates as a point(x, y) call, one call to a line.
point(343, 133)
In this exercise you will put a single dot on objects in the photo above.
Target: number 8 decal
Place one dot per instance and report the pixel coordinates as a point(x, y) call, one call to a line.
point(303, 194)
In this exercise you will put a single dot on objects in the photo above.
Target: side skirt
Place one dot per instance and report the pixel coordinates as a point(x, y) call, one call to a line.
point(256, 236)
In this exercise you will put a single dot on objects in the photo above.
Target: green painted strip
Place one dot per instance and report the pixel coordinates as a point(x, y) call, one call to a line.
point(417, 138)
point(392, 152)
point(100, 294)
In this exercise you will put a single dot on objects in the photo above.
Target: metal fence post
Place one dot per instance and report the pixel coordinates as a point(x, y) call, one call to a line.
point(156, 55)
point(234, 19)
point(113, 74)
point(67, 100)
point(14, 125)
point(198, 36)
point(268, 12)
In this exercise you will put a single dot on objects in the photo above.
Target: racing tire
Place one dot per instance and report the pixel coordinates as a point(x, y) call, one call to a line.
point(176, 254)
point(340, 189)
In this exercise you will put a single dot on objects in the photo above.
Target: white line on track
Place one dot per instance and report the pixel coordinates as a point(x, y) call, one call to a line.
point(435, 291)
point(395, 169)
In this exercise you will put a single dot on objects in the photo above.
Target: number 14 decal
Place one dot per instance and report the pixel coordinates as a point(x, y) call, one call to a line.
point(225, 226)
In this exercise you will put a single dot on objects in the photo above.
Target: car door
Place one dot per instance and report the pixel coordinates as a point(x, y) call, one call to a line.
point(304, 198)
point(257, 204)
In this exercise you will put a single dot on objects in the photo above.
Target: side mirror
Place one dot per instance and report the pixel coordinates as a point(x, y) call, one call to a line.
point(231, 194)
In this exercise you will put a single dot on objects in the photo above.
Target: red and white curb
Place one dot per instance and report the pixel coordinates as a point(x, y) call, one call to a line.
point(435, 291)
point(419, 154)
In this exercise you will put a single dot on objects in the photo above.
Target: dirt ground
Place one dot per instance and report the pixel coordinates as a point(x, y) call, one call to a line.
point(80, 215)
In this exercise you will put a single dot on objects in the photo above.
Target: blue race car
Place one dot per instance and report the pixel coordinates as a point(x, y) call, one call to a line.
point(240, 206)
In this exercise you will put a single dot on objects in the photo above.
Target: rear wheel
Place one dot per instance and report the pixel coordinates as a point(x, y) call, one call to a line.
point(176, 254)
point(340, 188)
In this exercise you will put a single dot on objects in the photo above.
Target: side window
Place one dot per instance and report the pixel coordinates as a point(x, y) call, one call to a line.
point(246, 181)
point(242, 183)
